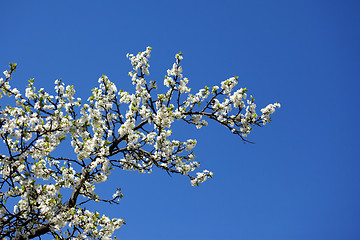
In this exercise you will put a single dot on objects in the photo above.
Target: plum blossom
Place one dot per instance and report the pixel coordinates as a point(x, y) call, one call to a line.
point(46, 188)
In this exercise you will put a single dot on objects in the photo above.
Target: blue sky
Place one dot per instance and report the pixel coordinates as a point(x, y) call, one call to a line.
point(299, 181)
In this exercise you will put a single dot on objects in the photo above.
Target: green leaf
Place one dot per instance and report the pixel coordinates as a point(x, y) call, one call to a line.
point(13, 67)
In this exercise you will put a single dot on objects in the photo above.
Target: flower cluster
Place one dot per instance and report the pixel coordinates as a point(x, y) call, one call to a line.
point(113, 129)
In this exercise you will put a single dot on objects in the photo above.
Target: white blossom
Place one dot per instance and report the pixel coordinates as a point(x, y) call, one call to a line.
point(113, 129)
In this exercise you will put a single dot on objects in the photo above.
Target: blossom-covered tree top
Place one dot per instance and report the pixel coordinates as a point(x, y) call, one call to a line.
point(112, 129)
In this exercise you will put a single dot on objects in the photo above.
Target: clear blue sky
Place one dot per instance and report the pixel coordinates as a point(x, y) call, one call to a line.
point(299, 181)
